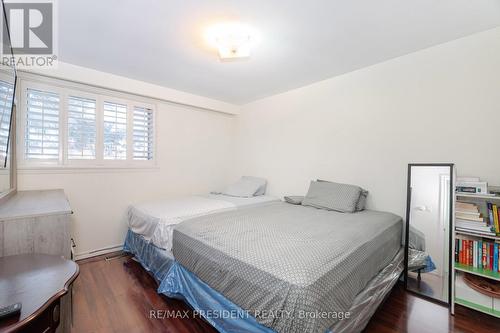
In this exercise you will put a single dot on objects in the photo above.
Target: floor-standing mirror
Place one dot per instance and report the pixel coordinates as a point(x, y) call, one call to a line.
point(428, 230)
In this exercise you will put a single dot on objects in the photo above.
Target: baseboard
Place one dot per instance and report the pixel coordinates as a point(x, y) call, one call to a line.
point(98, 252)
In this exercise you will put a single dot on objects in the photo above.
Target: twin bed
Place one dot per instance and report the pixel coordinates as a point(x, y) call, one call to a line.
point(263, 265)
point(155, 220)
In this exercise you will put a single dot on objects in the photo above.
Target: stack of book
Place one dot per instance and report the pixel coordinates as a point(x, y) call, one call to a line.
point(493, 214)
point(469, 219)
point(477, 253)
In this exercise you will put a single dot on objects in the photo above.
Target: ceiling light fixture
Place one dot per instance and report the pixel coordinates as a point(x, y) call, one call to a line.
point(233, 40)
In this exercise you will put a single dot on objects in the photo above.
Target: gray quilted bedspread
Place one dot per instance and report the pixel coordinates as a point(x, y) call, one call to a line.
point(292, 267)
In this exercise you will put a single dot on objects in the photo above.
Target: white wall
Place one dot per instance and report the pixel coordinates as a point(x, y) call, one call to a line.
point(100, 79)
point(437, 105)
point(195, 151)
point(441, 104)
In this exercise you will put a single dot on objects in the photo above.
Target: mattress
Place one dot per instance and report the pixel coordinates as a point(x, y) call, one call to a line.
point(302, 264)
point(175, 281)
point(155, 219)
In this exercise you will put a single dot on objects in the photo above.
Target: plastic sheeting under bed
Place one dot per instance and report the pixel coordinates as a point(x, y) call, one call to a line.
point(156, 261)
point(177, 282)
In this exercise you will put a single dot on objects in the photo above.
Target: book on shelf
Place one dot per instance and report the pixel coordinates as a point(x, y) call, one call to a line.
point(468, 214)
point(466, 207)
point(493, 217)
point(476, 232)
point(472, 225)
point(495, 263)
point(477, 253)
point(490, 212)
point(468, 218)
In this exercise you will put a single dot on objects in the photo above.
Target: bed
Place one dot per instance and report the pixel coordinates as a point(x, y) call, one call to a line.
point(155, 219)
point(278, 267)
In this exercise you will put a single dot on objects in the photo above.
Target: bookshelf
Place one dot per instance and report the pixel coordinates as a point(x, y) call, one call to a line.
point(486, 273)
point(461, 293)
point(478, 307)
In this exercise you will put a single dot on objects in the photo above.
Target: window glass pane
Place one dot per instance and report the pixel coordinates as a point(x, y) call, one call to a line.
point(142, 134)
point(42, 125)
point(115, 131)
point(81, 128)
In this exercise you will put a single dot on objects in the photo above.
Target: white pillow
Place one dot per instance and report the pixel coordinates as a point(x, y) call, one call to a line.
point(262, 184)
point(242, 188)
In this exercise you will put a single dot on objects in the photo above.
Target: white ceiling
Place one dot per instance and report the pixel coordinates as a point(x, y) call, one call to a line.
point(301, 41)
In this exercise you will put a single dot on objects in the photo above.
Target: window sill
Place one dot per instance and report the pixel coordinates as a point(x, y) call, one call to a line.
point(85, 169)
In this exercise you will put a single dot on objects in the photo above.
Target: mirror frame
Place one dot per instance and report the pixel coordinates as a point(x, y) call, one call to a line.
point(450, 231)
point(11, 143)
point(5, 195)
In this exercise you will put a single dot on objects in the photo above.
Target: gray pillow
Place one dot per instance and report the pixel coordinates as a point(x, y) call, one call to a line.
point(262, 184)
point(332, 196)
point(362, 197)
point(294, 199)
point(242, 188)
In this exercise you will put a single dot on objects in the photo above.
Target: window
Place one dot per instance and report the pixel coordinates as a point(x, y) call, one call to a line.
point(142, 133)
point(6, 90)
point(115, 131)
point(42, 125)
point(83, 127)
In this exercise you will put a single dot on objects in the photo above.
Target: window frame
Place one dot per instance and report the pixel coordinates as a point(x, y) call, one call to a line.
point(66, 89)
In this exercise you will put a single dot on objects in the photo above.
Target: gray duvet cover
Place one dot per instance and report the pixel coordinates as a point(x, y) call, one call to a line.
point(293, 267)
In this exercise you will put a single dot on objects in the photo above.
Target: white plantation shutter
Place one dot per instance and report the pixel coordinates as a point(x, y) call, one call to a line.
point(81, 128)
point(115, 131)
point(68, 126)
point(142, 134)
point(42, 125)
point(6, 90)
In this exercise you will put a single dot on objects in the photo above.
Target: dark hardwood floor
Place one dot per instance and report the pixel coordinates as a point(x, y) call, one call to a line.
point(118, 295)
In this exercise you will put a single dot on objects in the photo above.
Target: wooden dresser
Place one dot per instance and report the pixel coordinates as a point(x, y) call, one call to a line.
point(38, 282)
point(38, 222)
